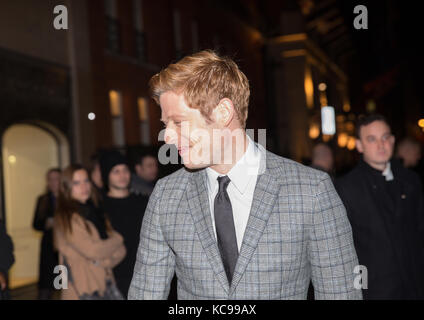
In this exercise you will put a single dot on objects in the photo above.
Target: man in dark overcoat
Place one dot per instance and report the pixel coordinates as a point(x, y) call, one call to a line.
point(384, 203)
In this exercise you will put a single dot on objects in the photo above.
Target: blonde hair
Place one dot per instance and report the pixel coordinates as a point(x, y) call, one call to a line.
point(204, 78)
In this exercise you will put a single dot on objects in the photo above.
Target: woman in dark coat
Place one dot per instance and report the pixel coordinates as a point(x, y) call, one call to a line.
point(43, 221)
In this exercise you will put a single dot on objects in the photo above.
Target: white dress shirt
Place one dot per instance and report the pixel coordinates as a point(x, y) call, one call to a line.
point(243, 178)
point(387, 173)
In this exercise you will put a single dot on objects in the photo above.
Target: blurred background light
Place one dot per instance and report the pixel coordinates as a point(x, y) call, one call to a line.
point(314, 131)
point(351, 142)
point(328, 120)
point(342, 140)
point(12, 159)
point(322, 86)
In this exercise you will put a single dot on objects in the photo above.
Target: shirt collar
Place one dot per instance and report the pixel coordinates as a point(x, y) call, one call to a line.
point(242, 172)
point(387, 173)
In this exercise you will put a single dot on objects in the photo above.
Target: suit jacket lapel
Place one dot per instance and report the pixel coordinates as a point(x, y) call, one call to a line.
point(198, 201)
point(266, 192)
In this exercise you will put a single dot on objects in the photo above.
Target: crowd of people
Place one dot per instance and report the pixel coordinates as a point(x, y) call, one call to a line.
point(91, 222)
point(120, 236)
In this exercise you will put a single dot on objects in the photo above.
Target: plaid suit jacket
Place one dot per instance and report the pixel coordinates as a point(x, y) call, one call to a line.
point(297, 231)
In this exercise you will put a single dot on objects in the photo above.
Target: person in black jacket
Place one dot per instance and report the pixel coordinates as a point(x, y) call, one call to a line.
point(6, 260)
point(125, 211)
point(384, 203)
point(43, 221)
point(409, 153)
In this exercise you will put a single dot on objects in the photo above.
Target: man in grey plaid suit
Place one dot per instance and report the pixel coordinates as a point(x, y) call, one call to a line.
point(238, 222)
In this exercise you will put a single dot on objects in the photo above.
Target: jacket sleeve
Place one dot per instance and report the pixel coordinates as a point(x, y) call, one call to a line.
point(420, 209)
point(155, 264)
point(116, 257)
point(83, 242)
point(6, 250)
point(331, 249)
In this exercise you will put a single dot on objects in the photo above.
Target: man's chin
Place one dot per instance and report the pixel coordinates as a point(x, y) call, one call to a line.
point(194, 165)
point(380, 161)
point(121, 188)
point(383, 160)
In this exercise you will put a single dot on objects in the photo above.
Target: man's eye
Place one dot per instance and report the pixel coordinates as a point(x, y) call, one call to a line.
point(178, 123)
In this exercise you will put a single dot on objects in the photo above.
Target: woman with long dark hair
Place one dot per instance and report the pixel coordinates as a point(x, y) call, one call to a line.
point(87, 244)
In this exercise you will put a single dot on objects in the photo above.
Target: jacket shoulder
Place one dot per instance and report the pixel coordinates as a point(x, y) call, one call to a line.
point(176, 181)
point(353, 175)
point(288, 170)
point(405, 173)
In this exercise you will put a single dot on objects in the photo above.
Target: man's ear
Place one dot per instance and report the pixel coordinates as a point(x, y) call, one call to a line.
point(392, 139)
point(224, 112)
point(359, 146)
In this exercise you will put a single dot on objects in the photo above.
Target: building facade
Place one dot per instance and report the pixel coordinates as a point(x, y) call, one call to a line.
point(67, 93)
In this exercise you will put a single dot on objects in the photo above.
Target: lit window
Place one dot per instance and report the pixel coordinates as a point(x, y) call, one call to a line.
point(309, 88)
point(142, 109)
point(143, 114)
point(115, 102)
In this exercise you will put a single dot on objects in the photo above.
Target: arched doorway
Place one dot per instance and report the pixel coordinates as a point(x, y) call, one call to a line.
point(28, 151)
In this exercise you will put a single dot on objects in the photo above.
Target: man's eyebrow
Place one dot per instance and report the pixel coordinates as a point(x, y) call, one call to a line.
point(370, 136)
point(374, 136)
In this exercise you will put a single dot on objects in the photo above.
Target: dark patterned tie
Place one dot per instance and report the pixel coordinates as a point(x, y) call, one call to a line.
point(225, 230)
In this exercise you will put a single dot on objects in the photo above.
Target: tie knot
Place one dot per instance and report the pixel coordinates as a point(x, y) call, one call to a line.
point(223, 182)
